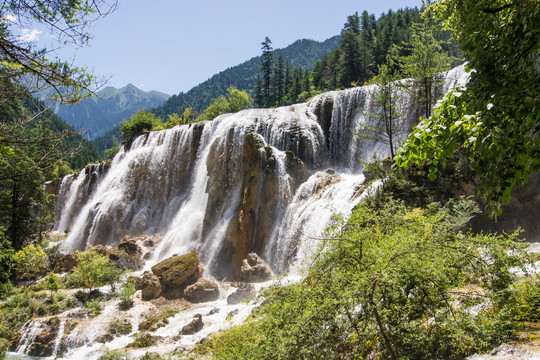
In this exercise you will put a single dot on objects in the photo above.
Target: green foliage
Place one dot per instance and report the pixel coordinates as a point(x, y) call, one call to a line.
point(388, 282)
point(424, 64)
point(119, 327)
point(52, 282)
point(139, 123)
point(387, 113)
point(94, 306)
point(301, 54)
point(4, 347)
point(525, 297)
point(125, 294)
point(143, 341)
point(108, 354)
point(27, 68)
point(93, 270)
point(6, 263)
point(495, 119)
point(235, 101)
point(30, 262)
point(188, 116)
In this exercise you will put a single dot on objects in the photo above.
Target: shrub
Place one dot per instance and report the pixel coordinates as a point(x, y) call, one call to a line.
point(119, 327)
point(125, 294)
point(144, 340)
point(30, 262)
point(52, 283)
point(94, 306)
point(93, 270)
point(387, 283)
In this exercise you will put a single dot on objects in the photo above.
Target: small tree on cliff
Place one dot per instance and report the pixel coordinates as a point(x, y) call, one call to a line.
point(94, 270)
point(424, 65)
point(385, 98)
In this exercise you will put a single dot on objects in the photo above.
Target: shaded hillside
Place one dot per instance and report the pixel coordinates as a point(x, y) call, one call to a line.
point(302, 53)
point(100, 113)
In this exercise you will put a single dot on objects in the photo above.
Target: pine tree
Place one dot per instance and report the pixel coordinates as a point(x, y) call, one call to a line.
point(267, 60)
point(367, 63)
point(278, 81)
point(350, 47)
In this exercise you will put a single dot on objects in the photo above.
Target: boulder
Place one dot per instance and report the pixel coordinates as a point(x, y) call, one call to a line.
point(254, 269)
point(193, 327)
point(176, 273)
point(150, 286)
point(244, 292)
point(104, 250)
point(202, 291)
point(66, 262)
point(127, 254)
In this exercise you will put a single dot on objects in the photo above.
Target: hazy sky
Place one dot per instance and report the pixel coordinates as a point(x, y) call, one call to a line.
point(171, 45)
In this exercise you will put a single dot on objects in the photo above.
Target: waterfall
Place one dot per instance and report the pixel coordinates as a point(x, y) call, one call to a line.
point(29, 332)
point(257, 180)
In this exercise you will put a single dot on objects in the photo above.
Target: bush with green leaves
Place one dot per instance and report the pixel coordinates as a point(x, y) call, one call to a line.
point(30, 262)
point(93, 270)
point(6, 262)
point(392, 283)
point(125, 294)
point(139, 123)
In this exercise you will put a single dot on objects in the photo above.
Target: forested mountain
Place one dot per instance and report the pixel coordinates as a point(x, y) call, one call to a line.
point(300, 54)
point(100, 113)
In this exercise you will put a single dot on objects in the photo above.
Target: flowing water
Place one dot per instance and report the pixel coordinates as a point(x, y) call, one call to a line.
point(263, 180)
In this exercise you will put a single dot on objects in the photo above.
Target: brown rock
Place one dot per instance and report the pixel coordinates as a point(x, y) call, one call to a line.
point(151, 286)
point(254, 269)
point(127, 254)
point(177, 272)
point(66, 262)
point(102, 249)
point(129, 246)
point(43, 343)
point(244, 292)
point(202, 291)
point(193, 327)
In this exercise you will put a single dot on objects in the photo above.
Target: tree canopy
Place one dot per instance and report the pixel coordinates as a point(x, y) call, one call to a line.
point(496, 118)
point(25, 68)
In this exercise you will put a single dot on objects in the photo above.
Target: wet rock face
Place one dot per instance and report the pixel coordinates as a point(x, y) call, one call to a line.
point(44, 341)
point(127, 254)
point(264, 182)
point(176, 273)
point(150, 286)
point(203, 290)
point(193, 327)
point(255, 269)
point(244, 292)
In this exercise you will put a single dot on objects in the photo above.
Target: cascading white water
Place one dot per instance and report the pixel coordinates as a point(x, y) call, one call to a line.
point(268, 180)
point(190, 183)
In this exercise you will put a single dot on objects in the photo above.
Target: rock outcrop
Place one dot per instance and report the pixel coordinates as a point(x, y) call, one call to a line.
point(150, 286)
point(127, 254)
point(263, 186)
point(254, 269)
point(244, 292)
point(193, 327)
point(176, 273)
point(203, 290)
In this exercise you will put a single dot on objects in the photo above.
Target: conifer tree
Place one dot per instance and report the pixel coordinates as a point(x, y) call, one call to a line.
point(350, 46)
point(367, 63)
point(278, 81)
point(267, 61)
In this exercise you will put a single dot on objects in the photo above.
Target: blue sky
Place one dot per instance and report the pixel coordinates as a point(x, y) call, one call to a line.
point(171, 46)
